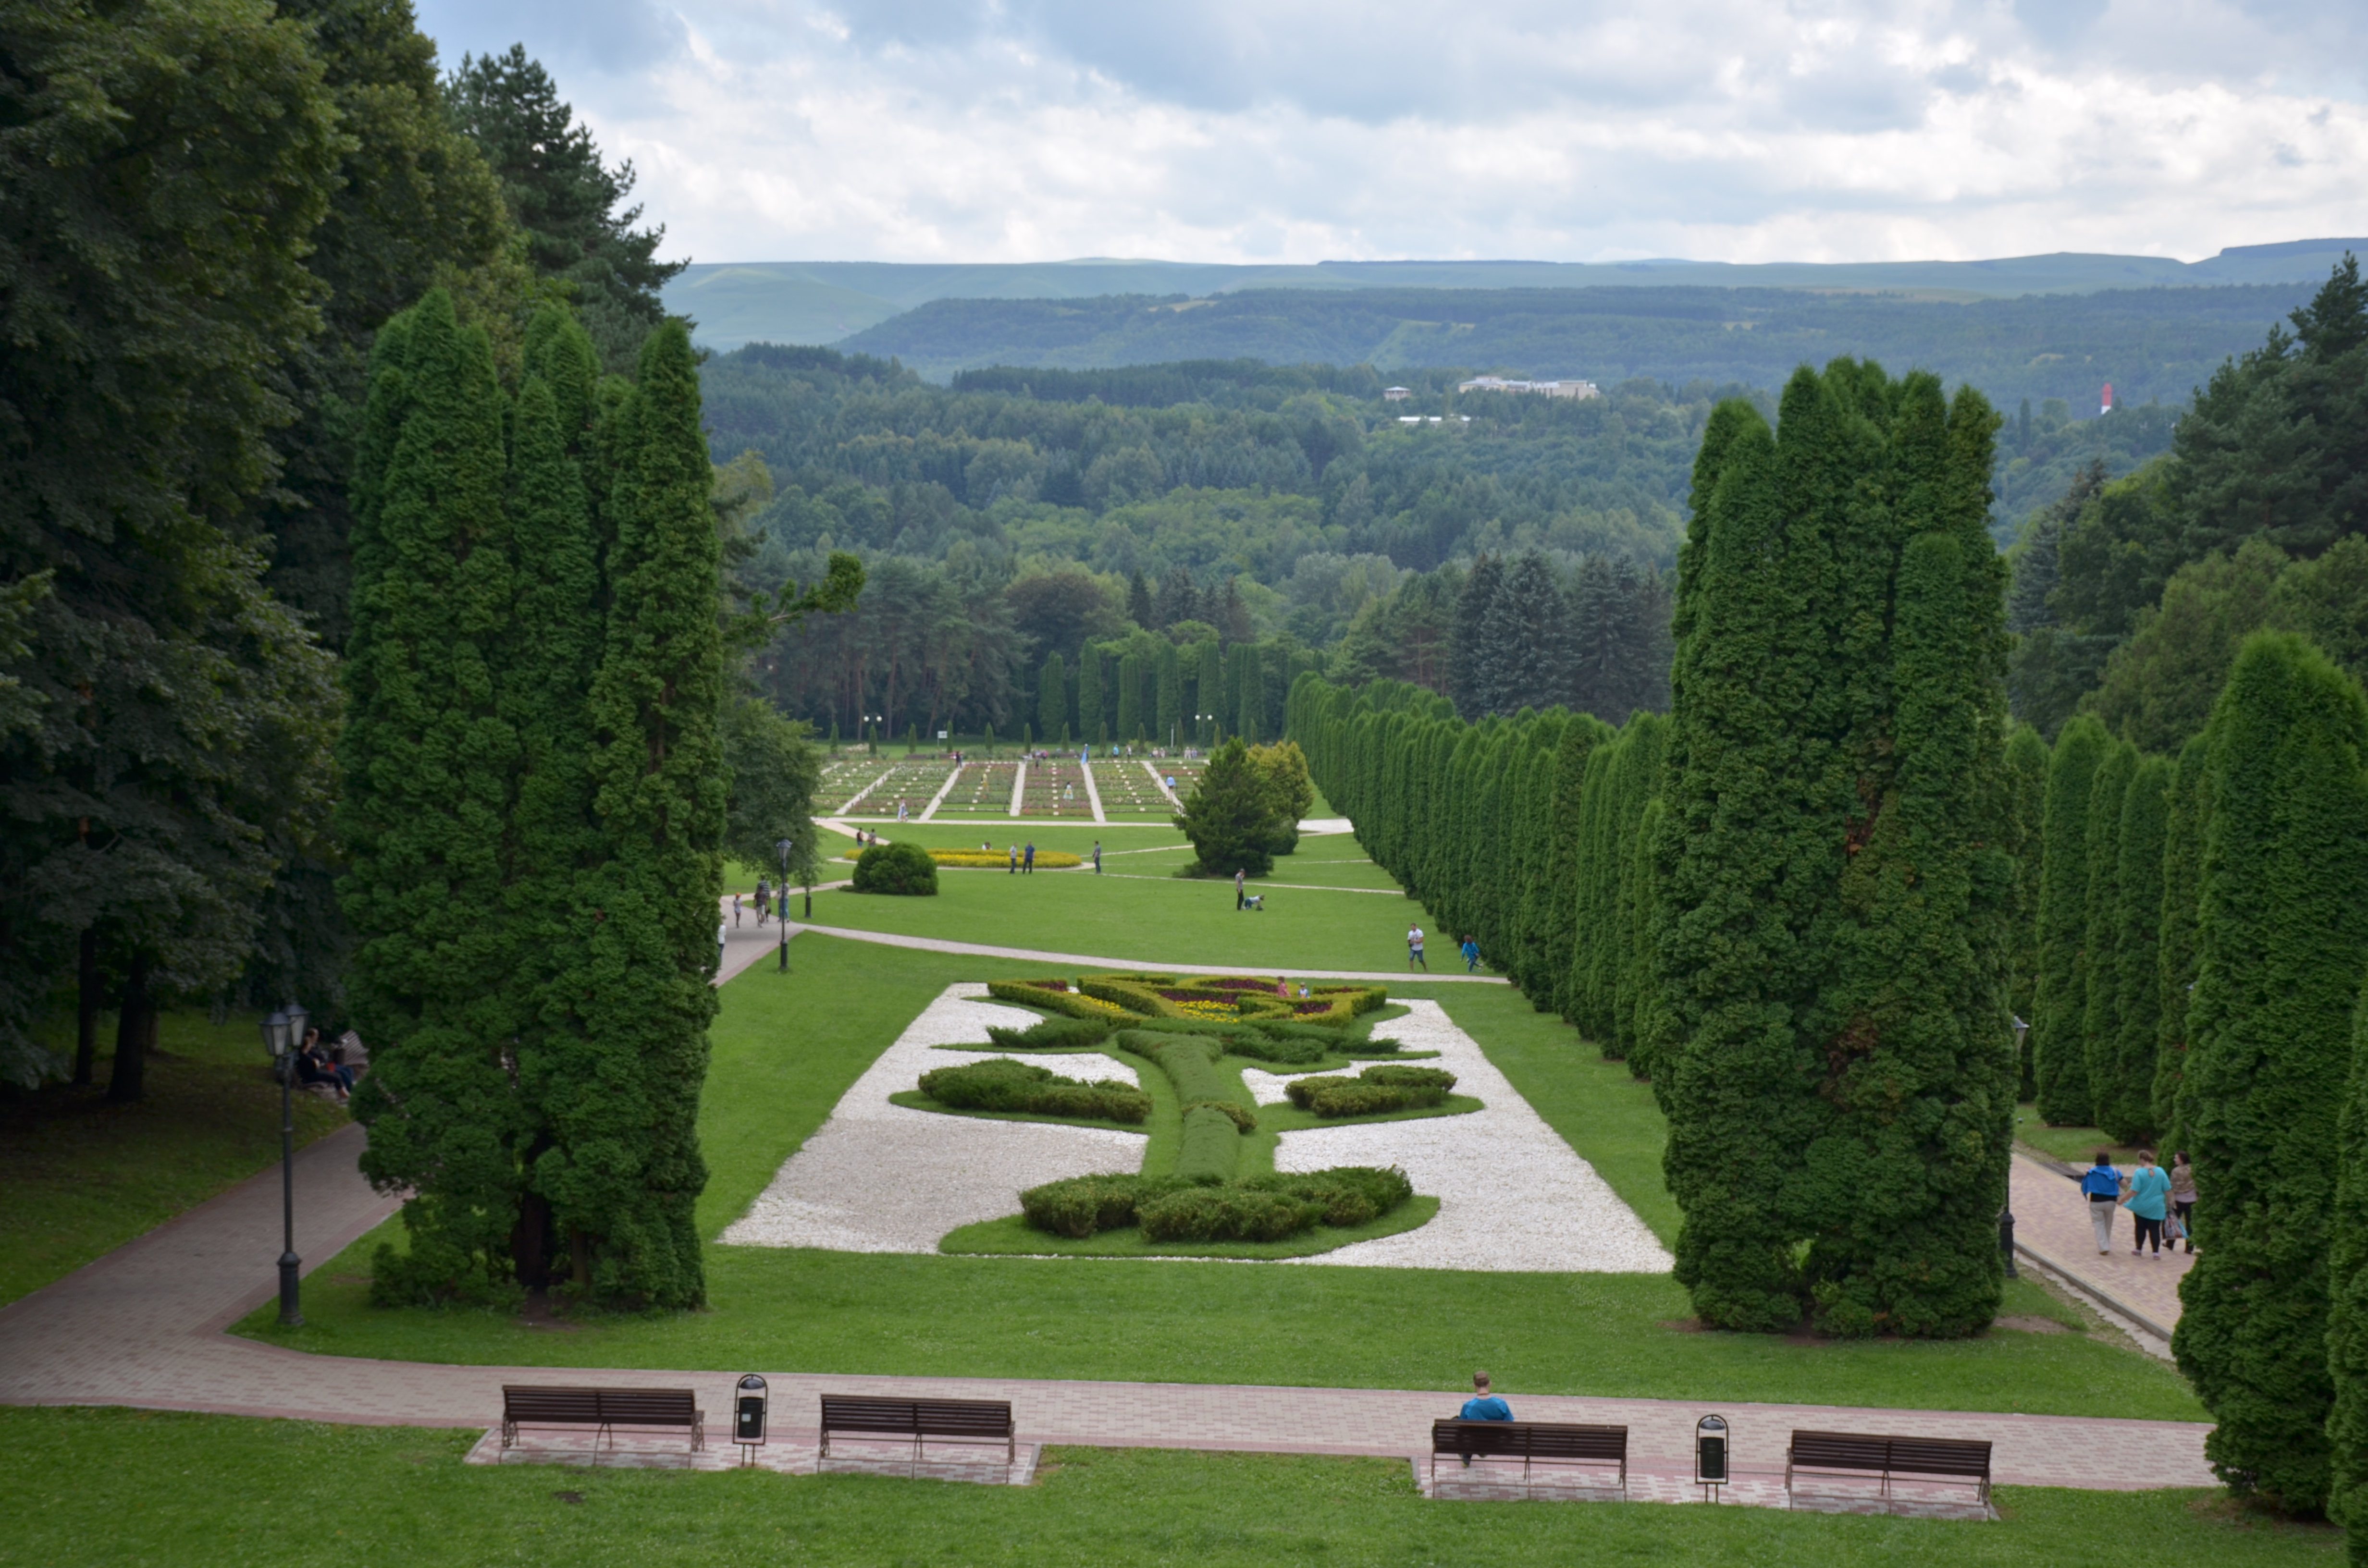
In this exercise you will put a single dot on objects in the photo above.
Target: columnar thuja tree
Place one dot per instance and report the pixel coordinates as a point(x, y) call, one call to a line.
point(2282, 935)
point(2060, 998)
point(1052, 699)
point(2122, 1066)
point(1831, 944)
point(2026, 765)
point(2101, 963)
point(535, 807)
point(2182, 856)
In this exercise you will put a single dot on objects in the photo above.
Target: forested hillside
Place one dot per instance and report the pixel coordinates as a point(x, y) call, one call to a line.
point(2151, 344)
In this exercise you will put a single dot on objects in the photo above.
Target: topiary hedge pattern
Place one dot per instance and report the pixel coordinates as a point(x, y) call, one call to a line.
point(1264, 1207)
point(1052, 1034)
point(1211, 1146)
point(1372, 1092)
point(1225, 997)
point(1055, 996)
point(900, 868)
point(1022, 1087)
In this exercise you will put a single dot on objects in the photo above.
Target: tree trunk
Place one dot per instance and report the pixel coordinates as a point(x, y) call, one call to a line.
point(86, 1000)
point(132, 1035)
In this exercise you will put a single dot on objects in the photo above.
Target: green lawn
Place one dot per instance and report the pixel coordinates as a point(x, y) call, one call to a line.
point(1140, 914)
point(2075, 1145)
point(129, 1489)
point(786, 1048)
point(79, 1177)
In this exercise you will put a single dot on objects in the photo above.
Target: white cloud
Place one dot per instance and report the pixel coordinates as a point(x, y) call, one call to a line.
point(1298, 129)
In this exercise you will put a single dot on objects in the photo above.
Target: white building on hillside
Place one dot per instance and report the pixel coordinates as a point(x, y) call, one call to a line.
point(1540, 388)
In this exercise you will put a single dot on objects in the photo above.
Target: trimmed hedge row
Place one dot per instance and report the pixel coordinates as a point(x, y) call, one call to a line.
point(1371, 1092)
point(1052, 1034)
point(1005, 1086)
point(1265, 1208)
point(1211, 1146)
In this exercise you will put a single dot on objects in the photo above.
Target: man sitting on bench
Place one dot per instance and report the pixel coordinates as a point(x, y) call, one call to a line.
point(1483, 1406)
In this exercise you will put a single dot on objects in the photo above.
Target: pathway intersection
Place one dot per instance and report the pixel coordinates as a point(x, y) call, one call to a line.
point(146, 1326)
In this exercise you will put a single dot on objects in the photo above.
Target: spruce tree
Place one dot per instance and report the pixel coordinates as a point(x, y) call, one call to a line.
point(1053, 698)
point(2060, 995)
point(626, 1171)
point(2026, 764)
point(2282, 935)
point(431, 766)
point(1471, 664)
point(2122, 1066)
point(2101, 957)
point(2182, 856)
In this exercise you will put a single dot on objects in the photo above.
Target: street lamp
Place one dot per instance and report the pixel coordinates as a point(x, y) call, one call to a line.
point(2006, 1215)
point(784, 847)
point(283, 1036)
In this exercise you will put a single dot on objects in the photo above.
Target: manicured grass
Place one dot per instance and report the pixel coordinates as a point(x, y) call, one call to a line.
point(131, 1488)
point(786, 1048)
point(1147, 921)
point(79, 1177)
point(1014, 1236)
point(2075, 1145)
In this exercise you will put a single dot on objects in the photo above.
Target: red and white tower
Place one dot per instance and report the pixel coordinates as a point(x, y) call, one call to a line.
point(2107, 407)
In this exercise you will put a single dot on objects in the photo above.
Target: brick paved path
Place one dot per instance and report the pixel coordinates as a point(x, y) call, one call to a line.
point(2051, 1221)
point(1083, 961)
point(143, 1326)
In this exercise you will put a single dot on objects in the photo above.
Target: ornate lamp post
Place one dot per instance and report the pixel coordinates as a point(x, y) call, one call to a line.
point(283, 1036)
point(784, 847)
point(2006, 1215)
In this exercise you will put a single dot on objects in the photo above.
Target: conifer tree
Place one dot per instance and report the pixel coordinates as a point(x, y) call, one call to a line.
point(1129, 692)
point(1170, 703)
point(1092, 716)
point(2060, 995)
point(2182, 854)
point(1831, 946)
point(2100, 1006)
point(2121, 1070)
point(1636, 784)
point(1053, 698)
point(1579, 739)
point(1470, 662)
point(1250, 694)
point(2282, 936)
point(1209, 688)
point(432, 767)
point(626, 1171)
point(2026, 763)
point(2347, 1323)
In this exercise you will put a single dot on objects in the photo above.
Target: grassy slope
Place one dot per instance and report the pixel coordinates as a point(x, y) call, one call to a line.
point(1146, 918)
point(122, 1488)
point(79, 1178)
point(786, 1049)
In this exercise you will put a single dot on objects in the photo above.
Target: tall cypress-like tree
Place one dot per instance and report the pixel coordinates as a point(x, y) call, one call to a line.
point(2060, 997)
point(2122, 1066)
point(1170, 699)
point(2026, 764)
point(1092, 716)
point(1130, 694)
point(2182, 856)
point(2100, 1006)
point(1579, 739)
point(1208, 689)
point(432, 765)
point(1053, 698)
point(1250, 694)
point(2282, 937)
point(2347, 1320)
point(1832, 943)
point(626, 1171)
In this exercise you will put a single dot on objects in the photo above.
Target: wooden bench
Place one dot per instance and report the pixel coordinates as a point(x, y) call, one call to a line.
point(1950, 1460)
point(948, 1420)
point(1532, 1442)
point(528, 1404)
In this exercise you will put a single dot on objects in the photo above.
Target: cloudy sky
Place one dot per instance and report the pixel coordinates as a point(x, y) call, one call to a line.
point(1546, 129)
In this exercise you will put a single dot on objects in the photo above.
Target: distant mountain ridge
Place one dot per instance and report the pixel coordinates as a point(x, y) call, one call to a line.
point(825, 301)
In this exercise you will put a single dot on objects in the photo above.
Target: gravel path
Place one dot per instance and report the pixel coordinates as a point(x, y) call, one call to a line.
point(1513, 1196)
point(880, 1177)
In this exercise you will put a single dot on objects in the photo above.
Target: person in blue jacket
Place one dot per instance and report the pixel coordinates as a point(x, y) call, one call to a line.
point(2101, 1186)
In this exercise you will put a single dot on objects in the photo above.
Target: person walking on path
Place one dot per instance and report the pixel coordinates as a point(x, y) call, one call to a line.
point(2102, 1188)
point(1015, 861)
point(2182, 1196)
point(761, 888)
point(1413, 949)
point(1471, 956)
point(1098, 856)
point(735, 910)
point(1028, 866)
point(2149, 1187)
point(1240, 878)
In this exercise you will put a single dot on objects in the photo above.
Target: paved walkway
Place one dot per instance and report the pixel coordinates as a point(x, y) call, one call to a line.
point(2051, 1223)
point(143, 1326)
point(1087, 961)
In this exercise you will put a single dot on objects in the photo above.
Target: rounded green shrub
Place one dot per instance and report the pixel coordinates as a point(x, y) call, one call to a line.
point(904, 869)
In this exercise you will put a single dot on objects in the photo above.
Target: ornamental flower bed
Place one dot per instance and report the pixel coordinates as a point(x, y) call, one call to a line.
point(1000, 860)
point(1055, 996)
point(1230, 997)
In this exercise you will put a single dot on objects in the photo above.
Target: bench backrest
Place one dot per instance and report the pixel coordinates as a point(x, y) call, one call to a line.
point(917, 1417)
point(615, 1407)
point(1916, 1456)
point(1534, 1440)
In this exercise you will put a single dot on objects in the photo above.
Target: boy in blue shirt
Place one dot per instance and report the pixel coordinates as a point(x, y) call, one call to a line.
point(2102, 1188)
point(1484, 1405)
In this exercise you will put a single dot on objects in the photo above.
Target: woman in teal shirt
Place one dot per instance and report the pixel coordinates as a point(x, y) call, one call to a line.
point(2149, 1188)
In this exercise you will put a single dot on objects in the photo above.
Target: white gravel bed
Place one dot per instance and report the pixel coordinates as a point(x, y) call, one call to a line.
point(880, 1178)
point(1513, 1196)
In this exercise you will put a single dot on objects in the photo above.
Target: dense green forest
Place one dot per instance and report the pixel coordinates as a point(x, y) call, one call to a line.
point(2149, 343)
